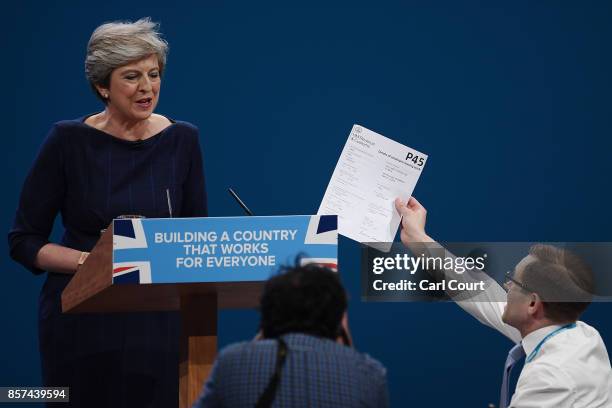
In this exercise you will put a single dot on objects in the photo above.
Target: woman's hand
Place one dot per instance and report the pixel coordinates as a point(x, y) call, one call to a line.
point(57, 258)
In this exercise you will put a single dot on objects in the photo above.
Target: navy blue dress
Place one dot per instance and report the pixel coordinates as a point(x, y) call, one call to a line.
point(90, 177)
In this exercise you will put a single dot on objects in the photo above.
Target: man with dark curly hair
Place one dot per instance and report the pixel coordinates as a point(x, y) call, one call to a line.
point(304, 358)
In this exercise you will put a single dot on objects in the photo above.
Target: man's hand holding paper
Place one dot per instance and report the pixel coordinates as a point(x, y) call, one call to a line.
point(371, 172)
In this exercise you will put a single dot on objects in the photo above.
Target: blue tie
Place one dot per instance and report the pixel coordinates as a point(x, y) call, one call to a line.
point(514, 355)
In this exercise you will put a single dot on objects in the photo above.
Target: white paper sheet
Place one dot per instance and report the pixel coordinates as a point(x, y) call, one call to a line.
point(372, 171)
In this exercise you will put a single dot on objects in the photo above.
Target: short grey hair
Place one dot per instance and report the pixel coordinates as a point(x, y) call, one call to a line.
point(118, 43)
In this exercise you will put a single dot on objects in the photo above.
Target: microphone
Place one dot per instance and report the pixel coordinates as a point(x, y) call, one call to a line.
point(242, 204)
point(169, 202)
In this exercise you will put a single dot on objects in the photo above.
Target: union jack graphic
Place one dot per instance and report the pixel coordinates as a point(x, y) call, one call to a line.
point(323, 230)
point(331, 263)
point(128, 234)
point(131, 272)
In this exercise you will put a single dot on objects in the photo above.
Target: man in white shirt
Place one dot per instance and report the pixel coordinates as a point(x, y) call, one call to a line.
point(567, 364)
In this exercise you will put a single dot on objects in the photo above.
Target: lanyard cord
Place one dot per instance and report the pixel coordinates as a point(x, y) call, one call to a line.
point(545, 339)
point(267, 398)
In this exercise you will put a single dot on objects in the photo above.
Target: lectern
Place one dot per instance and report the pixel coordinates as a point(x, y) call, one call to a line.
point(196, 266)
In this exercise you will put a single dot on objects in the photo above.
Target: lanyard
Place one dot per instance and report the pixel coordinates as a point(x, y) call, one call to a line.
point(541, 343)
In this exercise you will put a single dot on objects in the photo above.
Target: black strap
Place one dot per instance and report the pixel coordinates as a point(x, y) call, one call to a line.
point(267, 398)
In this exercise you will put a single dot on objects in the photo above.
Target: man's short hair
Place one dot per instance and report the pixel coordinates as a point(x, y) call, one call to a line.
point(303, 299)
point(562, 280)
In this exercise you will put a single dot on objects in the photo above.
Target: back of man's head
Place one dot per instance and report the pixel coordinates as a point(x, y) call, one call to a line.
point(561, 279)
point(303, 299)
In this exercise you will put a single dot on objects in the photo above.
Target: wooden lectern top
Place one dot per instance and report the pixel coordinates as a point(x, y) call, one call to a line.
point(91, 289)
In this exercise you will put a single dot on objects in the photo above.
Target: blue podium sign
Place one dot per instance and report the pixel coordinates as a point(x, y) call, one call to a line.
point(225, 249)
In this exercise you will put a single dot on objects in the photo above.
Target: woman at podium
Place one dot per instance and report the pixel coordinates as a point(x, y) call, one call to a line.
point(122, 160)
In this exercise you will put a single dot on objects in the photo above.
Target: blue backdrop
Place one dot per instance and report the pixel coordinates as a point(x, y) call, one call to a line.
point(510, 100)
